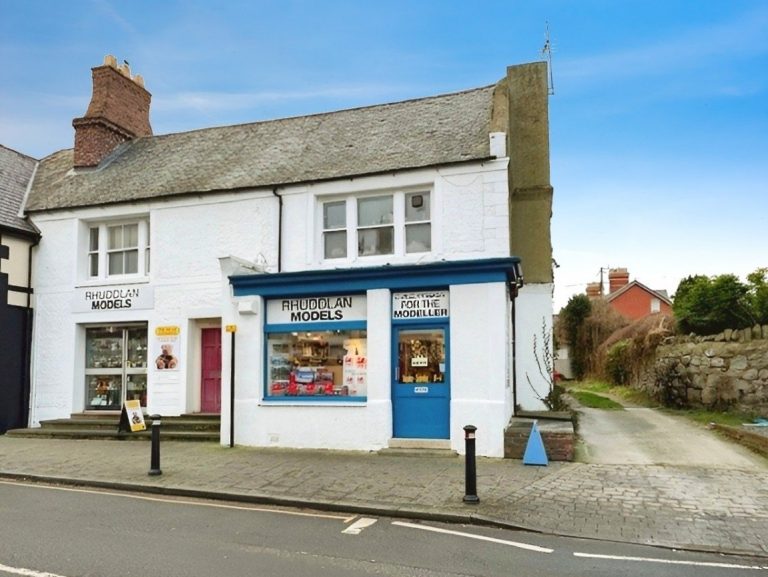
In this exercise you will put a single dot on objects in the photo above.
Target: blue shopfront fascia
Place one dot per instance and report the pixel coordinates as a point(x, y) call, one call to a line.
point(393, 277)
point(358, 280)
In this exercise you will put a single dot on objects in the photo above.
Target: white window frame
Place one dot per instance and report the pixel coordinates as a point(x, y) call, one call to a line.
point(398, 223)
point(655, 305)
point(103, 251)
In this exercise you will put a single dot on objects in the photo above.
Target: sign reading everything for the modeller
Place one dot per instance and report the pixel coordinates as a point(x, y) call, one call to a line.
point(420, 305)
point(316, 309)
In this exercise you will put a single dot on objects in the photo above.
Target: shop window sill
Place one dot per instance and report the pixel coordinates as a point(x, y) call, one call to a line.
point(314, 402)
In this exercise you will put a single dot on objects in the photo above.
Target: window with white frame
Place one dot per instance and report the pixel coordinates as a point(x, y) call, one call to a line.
point(386, 224)
point(118, 249)
point(335, 229)
point(655, 305)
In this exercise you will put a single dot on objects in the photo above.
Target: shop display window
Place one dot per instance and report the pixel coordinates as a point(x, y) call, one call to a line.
point(115, 366)
point(330, 365)
point(421, 356)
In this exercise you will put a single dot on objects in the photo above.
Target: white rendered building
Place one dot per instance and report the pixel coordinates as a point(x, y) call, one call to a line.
point(354, 277)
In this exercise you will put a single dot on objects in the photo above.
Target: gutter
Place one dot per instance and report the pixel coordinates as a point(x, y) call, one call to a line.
point(279, 230)
point(26, 375)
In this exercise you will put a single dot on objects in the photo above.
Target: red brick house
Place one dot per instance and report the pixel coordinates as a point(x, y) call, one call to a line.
point(632, 300)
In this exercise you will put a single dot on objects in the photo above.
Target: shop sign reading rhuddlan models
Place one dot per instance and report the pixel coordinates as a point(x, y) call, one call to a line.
point(131, 297)
point(420, 305)
point(316, 309)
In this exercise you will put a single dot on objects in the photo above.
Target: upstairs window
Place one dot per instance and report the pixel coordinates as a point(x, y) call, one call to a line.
point(335, 229)
point(365, 226)
point(123, 249)
point(375, 230)
point(418, 230)
point(118, 249)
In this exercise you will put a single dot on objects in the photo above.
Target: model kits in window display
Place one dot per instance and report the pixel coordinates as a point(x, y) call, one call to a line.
point(115, 366)
point(319, 364)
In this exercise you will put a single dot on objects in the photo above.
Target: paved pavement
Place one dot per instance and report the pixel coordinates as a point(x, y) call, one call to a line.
point(697, 508)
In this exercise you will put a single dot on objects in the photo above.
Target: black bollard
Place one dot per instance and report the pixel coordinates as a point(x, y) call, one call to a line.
point(470, 468)
point(154, 466)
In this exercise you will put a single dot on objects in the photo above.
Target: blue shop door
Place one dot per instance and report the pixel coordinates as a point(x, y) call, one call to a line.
point(421, 393)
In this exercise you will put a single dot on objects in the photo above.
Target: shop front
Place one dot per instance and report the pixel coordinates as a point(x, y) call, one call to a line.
point(361, 358)
point(113, 357)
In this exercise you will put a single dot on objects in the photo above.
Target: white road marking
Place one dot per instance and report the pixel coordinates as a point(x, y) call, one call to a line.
point(478, 537)
point(671, 561)
point(343, 518)
point(359, 525)
point(26, 572)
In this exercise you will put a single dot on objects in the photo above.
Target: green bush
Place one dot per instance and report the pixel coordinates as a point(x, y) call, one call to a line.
point(618, 362)
point(705, 305)
point(758, 294)
point(573, 316)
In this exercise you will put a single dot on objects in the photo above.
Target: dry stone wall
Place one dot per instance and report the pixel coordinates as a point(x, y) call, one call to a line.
point(728, 370)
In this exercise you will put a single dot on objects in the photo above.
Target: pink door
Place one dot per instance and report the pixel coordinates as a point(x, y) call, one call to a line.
point(210, 394)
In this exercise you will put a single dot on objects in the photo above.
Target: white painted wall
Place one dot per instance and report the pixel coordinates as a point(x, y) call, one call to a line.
point(191, 290)
point(187, 237)
point(470, 215)
point(533, 310)
point(480, 363)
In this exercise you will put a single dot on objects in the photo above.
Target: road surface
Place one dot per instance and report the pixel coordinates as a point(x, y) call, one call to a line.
point(65, 532)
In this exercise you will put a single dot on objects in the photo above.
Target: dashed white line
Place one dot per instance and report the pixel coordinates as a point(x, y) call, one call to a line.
point(359, 525)
point(478, 537)
point(671, 561)
point(26, 572)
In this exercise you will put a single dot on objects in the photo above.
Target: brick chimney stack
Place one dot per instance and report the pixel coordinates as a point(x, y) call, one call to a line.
point(617, 278)
point(119, 111)
point(594, 290)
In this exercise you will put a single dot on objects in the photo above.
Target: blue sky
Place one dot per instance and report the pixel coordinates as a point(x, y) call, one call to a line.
point(659, 121)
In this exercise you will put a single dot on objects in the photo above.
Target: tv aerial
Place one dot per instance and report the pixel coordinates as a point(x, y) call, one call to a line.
point(546, 52)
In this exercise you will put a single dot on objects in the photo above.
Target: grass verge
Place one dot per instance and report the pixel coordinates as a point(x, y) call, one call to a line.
point(620, 392)
point(704, 416)
point(595, 401)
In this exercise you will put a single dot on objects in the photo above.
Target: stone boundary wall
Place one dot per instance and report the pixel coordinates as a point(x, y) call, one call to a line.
point(728, 370)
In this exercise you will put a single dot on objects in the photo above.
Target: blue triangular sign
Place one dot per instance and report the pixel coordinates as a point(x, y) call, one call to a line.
point(535, 454)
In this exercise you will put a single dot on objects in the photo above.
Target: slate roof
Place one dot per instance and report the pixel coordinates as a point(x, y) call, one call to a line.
point(15, 171)
point(431, 131)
